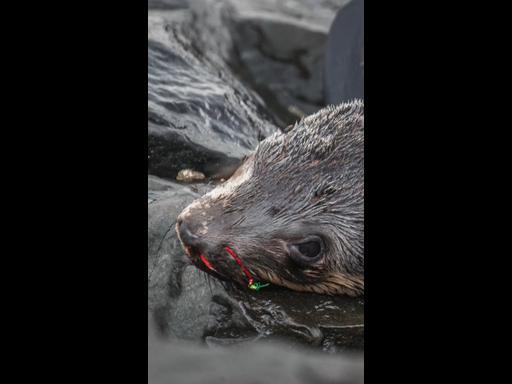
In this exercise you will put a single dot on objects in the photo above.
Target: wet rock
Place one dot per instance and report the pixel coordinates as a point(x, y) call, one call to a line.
point(189, 315)
point(276, 47)
point(180, 362)
point(165, 255)
point(224, 315)
point(334, 323)
point(199, 115)
point(158, 184)
point(167, 4)
point(203, 309)
point(344, 75)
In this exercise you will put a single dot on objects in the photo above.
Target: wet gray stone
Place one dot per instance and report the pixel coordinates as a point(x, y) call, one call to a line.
point(156, 183)
point(276, 47)
point(199, 115)
point(222, 314)
point(165, 255)
point(344, 75)
point(332, 323)
point(167, 4)
point(180, 362)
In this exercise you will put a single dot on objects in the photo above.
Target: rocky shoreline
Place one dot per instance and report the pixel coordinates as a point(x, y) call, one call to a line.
point(222, 76)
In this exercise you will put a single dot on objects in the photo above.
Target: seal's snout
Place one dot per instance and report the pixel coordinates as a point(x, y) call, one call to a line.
point(187, 236)
point(193, 236)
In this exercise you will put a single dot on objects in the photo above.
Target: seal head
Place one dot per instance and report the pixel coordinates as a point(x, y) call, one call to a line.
point(293, 212)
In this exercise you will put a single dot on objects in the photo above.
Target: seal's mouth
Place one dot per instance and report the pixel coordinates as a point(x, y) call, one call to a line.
point(202, 261)
point(226, 265)
point(252, 284)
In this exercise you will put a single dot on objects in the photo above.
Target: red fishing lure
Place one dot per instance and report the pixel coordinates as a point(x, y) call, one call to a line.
point(251, 284)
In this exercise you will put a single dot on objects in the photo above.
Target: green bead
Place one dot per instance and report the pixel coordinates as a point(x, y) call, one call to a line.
point(257, 286)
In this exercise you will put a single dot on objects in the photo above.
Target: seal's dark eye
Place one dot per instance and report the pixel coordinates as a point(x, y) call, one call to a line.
point(308, 251)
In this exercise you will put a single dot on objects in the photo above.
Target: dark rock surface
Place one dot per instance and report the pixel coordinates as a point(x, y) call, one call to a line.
point(167, 4)
point(177, 362)
point(276, 47)
point(344, 74)
point(165, 255)
point(199, 115)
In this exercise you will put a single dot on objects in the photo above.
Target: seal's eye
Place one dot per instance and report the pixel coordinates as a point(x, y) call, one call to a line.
point(308, 251)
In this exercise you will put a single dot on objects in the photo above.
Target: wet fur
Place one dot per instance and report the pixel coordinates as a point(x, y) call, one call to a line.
point(307, 181)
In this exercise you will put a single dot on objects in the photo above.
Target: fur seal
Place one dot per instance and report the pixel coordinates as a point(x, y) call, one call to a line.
point(293, 213)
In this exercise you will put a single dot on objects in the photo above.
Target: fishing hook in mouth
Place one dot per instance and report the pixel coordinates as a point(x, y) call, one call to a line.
point(252, 284)
point(255, 285)
point(206, 262)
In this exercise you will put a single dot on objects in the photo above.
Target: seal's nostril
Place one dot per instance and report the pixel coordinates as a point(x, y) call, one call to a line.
point(187, 235)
